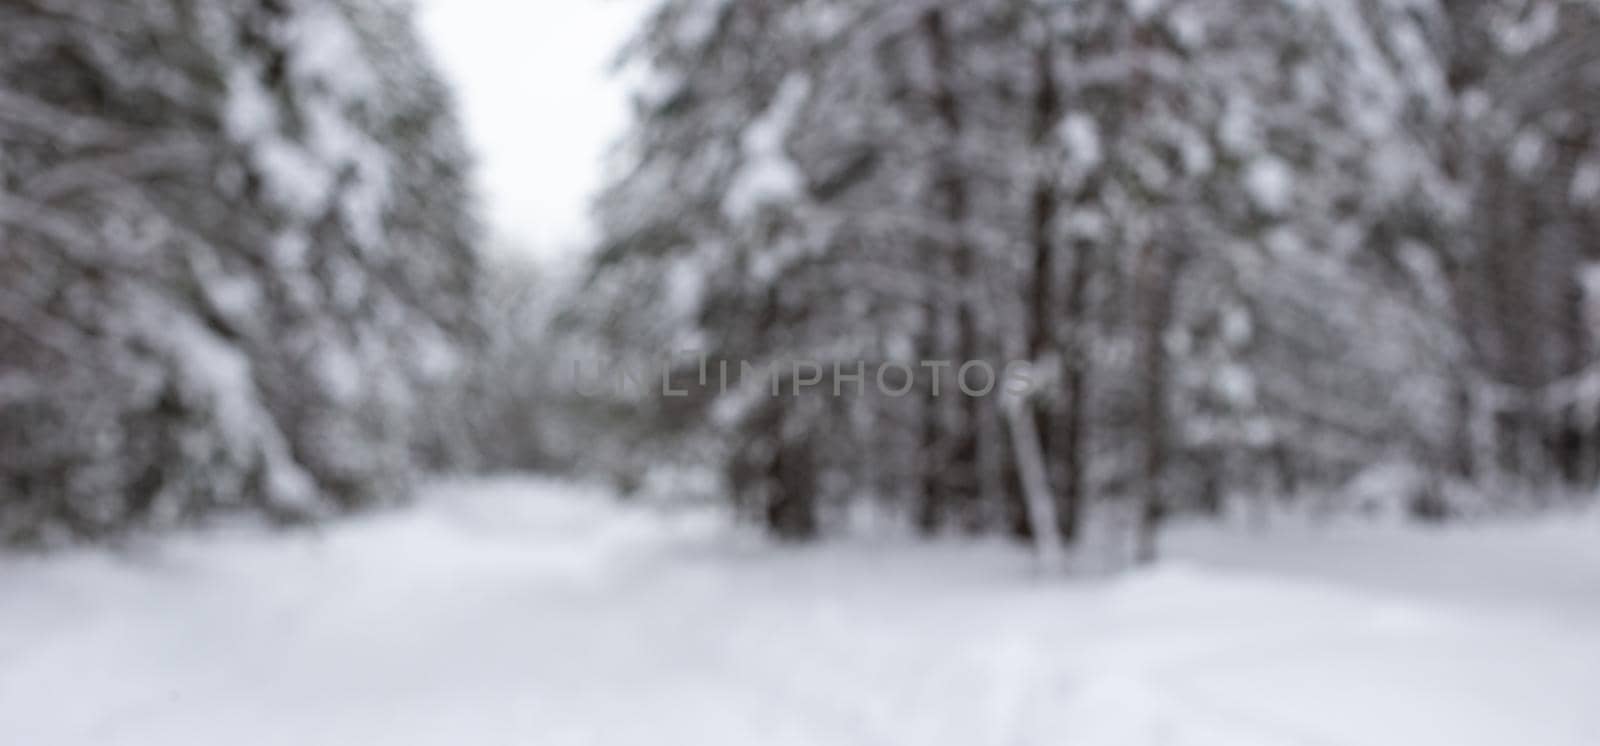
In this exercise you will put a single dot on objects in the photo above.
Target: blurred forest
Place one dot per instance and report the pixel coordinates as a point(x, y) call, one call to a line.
point(1262, 255)
point(1335, 255)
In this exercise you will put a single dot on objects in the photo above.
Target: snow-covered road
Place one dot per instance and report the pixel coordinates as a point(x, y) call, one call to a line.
point(527, 613)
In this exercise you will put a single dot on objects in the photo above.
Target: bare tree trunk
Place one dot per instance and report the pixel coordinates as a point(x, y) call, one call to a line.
point(1071, 437)
point(1055, 430)
point(959, 483)
point(791, 509)
point(1035, 484)
point(930, 511)
point(1155, 285)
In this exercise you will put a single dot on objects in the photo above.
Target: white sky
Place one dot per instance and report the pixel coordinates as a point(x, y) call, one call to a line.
point(538, 106)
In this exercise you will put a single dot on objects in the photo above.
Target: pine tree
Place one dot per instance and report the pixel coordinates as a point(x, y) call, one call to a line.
point(237, 246)
point(1225, 235)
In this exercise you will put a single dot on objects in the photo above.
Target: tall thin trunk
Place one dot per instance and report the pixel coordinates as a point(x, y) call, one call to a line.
point(1071, 438)
point(1044, 319)
point(930, 510)
point(959, 483)
point(1155, 284)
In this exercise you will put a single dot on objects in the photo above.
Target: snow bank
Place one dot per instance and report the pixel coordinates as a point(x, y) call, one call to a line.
point(518, 612)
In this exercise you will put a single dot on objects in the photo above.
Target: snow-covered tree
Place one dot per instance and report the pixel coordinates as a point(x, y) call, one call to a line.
point(1229, 236)
point(238, 255)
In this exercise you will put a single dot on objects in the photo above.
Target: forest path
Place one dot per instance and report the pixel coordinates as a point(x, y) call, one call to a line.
point(526, 612)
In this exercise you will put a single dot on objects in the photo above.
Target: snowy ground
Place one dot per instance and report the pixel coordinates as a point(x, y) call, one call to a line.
point(518, 612)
